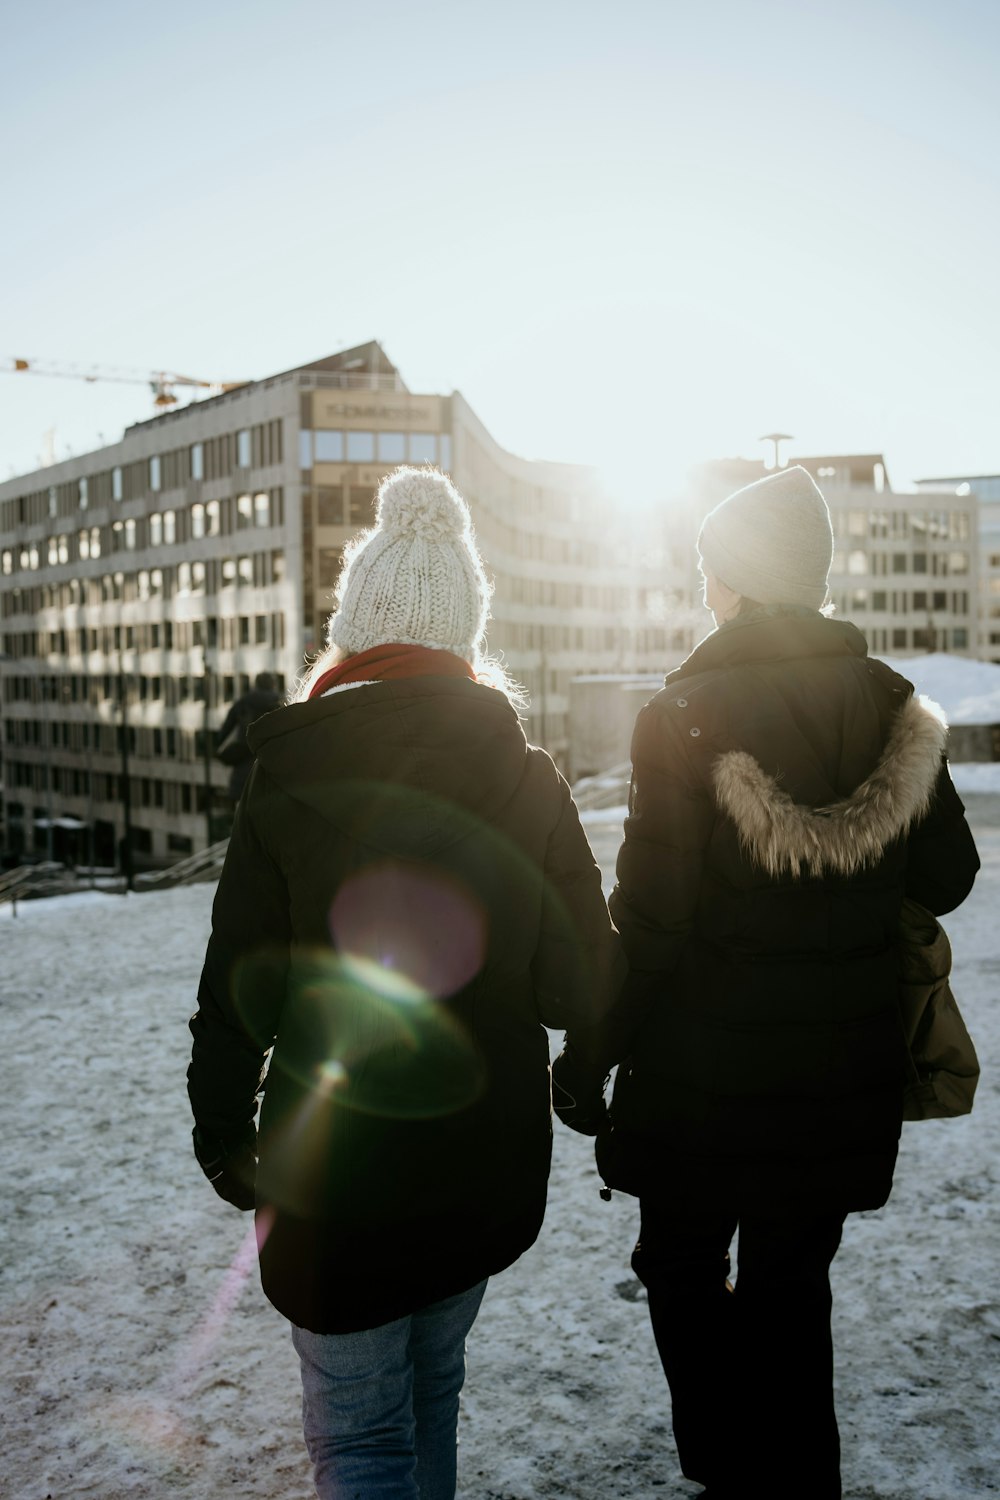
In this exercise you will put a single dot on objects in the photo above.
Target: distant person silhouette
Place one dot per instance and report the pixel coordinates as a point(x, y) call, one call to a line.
point(231, 738)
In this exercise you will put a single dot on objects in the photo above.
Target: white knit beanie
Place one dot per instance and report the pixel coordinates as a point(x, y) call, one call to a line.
point(416, 577)
point(772, 541)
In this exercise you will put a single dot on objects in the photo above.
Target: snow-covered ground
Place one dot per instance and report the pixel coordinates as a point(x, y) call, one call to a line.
point(138, 1356)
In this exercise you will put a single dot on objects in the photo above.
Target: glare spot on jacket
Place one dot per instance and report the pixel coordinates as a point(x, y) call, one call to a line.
point(382, 978)
point(329, 1074)
point(409, 931)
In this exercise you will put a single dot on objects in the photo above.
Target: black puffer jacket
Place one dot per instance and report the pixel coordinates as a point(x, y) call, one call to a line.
point(408, 899)
point(787, 792)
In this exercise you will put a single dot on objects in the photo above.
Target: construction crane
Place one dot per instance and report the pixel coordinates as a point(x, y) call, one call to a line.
point(160, 382)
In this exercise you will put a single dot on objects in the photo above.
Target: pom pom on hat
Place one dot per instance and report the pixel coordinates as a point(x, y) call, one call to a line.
point(415, 579)
point(421, 500)
point(772, 541)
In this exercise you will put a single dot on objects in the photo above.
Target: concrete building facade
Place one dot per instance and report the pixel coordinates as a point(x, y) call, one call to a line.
point(144, 585)
point(984, 490)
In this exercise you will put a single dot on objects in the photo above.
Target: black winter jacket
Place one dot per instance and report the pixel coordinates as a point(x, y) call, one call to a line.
point(787, 791)
point(407, 900)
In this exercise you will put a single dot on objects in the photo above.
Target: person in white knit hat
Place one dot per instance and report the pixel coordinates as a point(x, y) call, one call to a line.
point(407, 900)
point(787, 793)
point(770, 543)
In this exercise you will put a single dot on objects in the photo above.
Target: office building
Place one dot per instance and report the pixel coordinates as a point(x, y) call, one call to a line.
point(144, 585)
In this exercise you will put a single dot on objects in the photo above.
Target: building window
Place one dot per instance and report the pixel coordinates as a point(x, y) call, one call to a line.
point(169, 527)
point(262, 509)
point(445, 450)
point(330, 559)
point(329, 448)
point(361, 505)
point(243, 449)
point(423, 448)
point(857, 562)
point(155, 473)
point(960, 639)
point(899, 640)
point(197, 522)
point(391, 447)
point(156, 529)
point(81, 490)
point(958, 562)
point(197, 460)
point(360, 447)
point(305, 449)
point(244, 512)
point(899, 562)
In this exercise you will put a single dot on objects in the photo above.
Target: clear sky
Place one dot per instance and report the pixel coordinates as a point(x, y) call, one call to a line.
point(636, 234)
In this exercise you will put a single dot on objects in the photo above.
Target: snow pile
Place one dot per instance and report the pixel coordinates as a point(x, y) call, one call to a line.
point(968, 691)
point(140, 1358)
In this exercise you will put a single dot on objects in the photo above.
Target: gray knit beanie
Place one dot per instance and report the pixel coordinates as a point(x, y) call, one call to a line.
point(416, 577)
point(772, 541)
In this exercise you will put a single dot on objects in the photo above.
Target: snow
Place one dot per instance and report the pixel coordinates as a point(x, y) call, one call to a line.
point(140, 1358)
point(967, 690)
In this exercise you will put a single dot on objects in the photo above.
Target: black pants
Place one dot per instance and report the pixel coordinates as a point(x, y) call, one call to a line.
point(750, 1370)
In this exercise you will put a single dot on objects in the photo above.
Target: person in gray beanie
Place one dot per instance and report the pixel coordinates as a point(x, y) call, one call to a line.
point(772, 542)
point(787, 793)
point(407, 901)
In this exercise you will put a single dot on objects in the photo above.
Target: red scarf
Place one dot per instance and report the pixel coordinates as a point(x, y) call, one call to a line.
point(384, 662)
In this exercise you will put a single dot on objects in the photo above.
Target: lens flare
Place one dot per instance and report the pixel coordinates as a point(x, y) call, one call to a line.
point(418, 926)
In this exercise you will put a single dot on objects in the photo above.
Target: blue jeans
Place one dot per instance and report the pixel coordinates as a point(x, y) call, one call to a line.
point(380, 1408)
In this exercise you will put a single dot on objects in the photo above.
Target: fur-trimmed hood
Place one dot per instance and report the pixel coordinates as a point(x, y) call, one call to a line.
point(785, 837)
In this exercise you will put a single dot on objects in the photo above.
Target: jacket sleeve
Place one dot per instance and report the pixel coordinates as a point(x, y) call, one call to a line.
point(669, 824)
point(667, 830)
point(577, 967)
point(242, 985)
point(942, 860)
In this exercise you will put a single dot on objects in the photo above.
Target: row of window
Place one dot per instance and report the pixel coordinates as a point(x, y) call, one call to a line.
point(918, 525)
point(95, 737)
point(920, 639)
point(225, 633)
point(881, 564)
point(252, 569)
point(160, 529)
point(93, 689)
point(255, 447)
point(327, 446)
point(880, 601)
point(176, 797)
point(592, 639)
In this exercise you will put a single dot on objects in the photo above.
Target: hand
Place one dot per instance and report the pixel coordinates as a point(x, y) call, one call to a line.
point(578, 1094)
point(230, 1164)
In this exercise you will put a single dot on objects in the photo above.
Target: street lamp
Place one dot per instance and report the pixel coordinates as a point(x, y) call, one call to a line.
point(206, 734)
point(126, 846)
